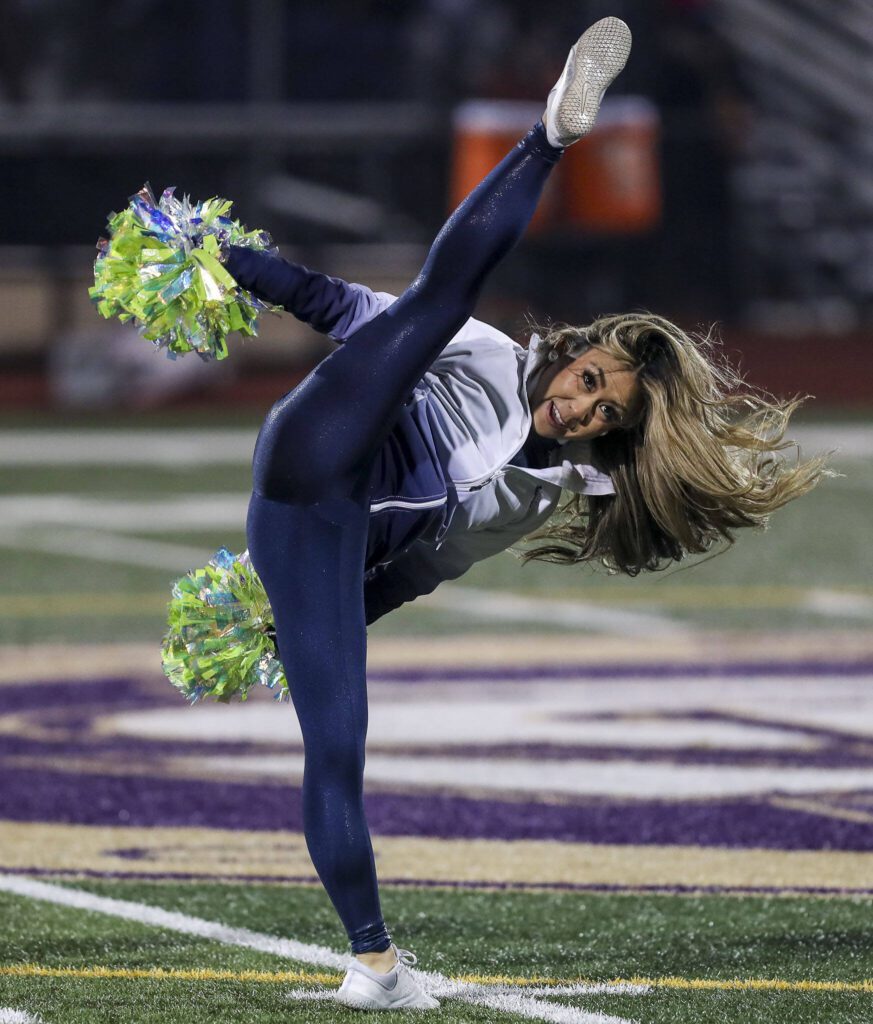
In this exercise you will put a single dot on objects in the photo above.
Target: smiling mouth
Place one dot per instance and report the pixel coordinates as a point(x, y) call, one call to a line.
point(555, 417)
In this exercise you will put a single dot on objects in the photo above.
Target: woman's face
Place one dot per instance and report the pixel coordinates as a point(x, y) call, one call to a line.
point(583, 398)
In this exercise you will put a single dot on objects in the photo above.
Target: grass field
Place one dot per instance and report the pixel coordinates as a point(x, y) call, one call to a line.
point(70, 588)
point(592, 799)
point(659, 958)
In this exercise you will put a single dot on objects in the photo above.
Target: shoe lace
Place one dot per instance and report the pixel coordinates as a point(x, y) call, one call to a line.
point(405, 957)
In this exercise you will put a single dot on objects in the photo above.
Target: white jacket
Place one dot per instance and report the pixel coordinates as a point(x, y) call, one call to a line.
point(479, 390)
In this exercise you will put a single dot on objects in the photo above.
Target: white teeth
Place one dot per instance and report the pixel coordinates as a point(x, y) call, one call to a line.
point(558, 416)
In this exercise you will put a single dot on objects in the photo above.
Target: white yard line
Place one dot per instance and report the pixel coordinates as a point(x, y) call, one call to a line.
point(848, 440)
point(537, 1009)
point(186, 447)
point(590, 989)
point(107, 547)
point(68, 524)
point(139, 514)
point(508, 1000)
point(10, 1016)
point(581, 989)
point(143, 913)
point(834, 604)
point(309, 995)
point(181, 447)
point(81, 526)
point(498, 605)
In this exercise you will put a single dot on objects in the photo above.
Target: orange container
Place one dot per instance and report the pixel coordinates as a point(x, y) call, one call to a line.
point(611, 180)
point(484, 132)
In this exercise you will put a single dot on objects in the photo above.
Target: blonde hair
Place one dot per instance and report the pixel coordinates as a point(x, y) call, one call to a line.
point(703, 457)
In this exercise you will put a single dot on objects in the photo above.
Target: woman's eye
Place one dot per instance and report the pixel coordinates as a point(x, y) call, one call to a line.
point(588, 380)
point(607, 412)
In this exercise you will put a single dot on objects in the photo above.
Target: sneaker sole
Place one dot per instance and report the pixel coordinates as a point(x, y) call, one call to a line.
point(363, 1003)
point(357, 1000)
point(598, 56)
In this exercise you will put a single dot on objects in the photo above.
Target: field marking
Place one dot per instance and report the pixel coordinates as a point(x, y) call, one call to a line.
point(856, 603)
point(824, 809)
point(438, 984)
point(547, 779)
point(83, 604)
point(490, 605)
point(107, 547)
point(168, 974)
point(754, 984)
point(848, 441)
point(502, 606)
point(522, 656)
point(8, 1015)
point(715, 596)
point(140, 514)
point(45, 531)
point(182, 447)
point(584, 988)
point(274, 857)
point(509, 1001)
point(84, 527)
point(533, 986)
point(206, 446)
point(838, 604)
point(498, 1001)
point(597, 889)
point(143, 913)
point(309, 995)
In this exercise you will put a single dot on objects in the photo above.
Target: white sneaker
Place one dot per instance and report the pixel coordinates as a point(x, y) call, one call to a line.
point(366, 989)
point(595, 60)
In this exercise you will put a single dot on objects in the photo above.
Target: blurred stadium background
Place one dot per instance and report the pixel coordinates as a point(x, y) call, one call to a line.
point(709, 729)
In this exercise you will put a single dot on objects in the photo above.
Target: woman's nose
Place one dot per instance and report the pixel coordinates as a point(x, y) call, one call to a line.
point(584, 412)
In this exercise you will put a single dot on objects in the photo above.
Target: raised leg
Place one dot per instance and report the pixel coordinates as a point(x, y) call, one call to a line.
point(317, 439)
point(308, 516)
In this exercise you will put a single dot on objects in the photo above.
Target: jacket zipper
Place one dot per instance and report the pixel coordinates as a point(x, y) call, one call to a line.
point(478, 484)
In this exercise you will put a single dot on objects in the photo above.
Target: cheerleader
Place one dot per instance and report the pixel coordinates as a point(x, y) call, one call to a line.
point(427, 441)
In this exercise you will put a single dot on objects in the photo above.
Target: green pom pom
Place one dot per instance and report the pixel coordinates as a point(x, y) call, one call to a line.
point(161, 267)
point(220, 641)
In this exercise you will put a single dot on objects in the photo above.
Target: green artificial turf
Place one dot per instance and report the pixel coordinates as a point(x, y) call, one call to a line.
point(820, 541)
point(562, 934)
point(556, 935)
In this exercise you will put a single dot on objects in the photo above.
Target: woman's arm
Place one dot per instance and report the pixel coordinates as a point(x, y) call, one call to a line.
point(328, 304)
point(417, 572)
point(421, 569)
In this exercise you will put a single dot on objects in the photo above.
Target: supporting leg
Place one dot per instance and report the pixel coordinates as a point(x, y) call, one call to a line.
point(310, 559)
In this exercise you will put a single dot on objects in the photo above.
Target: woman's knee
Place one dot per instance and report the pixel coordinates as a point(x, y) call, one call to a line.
point(297, 461)
point(286, 469)
point(334, 756)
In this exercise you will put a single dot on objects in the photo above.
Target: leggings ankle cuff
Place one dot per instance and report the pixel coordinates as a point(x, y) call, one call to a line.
point(371, 939)
point(536, 142)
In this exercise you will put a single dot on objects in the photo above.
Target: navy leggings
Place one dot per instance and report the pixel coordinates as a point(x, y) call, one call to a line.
point(309, 512)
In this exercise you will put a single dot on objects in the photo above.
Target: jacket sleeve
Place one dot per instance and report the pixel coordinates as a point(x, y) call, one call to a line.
point(422, 568)
point(328, 304)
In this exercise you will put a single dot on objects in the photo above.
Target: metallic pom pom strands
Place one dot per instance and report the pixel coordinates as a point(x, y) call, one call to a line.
point(220, 642)
point(161, 267)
